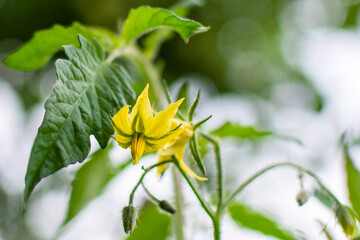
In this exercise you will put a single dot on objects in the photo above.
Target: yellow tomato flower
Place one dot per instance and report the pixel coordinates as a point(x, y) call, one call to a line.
point(176, 148)
point(143, 132)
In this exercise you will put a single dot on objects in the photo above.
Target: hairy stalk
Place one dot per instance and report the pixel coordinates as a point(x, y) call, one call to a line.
point(132, 52)
point(219, 187)
point(217, 232)
point(152, 73)
point(179, 202)
point(114, 54)
point(286, 164)
point(149, 193)
point(146, 170)
point(205, 205)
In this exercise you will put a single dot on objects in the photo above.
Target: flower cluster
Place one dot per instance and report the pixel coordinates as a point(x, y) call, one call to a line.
point(144, 132)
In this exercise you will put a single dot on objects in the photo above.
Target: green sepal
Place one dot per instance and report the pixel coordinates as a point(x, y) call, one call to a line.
point(183, 93)
point(194, 106)
point(196, 155)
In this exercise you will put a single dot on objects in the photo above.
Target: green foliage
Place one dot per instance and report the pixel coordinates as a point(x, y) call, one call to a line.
point(154, 40)
point(37, 52)
point(248, 218)
point(353, 180)
point(90, 181)
point(234, 130)
point(86, 92)
point(151, 224)
point(144, 19)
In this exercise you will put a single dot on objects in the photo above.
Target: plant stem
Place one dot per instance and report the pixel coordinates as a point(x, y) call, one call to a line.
point(146, 170)
point(149, 193)
point(216, 224)
point(292, 165)
point(178, 217)
point(151, 72)
point(219, 186)
point(202, 201)
point(114, 54)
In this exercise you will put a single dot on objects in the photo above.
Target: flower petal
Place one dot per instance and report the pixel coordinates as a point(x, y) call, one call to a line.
point(123, 141)
point(154, 144)
point(176, 148)
point(161, 123)
point(141, 114)
point(189, 171)
point(121, 122)
point(161, 158)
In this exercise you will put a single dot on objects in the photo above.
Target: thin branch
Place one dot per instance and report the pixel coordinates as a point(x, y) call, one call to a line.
point(146, 170)
point(286, 164)
point(196, 191)
point(219, 187)
point(149, 193)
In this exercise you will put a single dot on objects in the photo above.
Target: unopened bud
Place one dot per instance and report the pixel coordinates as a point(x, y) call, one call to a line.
point(129, 218)
point(165, 205)
point(346, 220)
point(302, 197)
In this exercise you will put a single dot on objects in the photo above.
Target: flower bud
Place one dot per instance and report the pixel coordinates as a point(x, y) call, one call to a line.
point(346, 220)
point(129, 218)
point(166, 206)
point(302, 197)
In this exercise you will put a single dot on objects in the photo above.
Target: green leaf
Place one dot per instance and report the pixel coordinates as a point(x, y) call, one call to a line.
point(37, 52)
point(86, 92)
point(108, 39)
point(154, 40)
point(234, 130)
point(247, 132)
point(353, 181)
point(91, 180)
point(151, 224)
point(248, 218)
point(144, 19)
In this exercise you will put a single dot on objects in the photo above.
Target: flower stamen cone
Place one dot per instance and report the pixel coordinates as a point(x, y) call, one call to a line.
point(137, 147)
point(142, 131)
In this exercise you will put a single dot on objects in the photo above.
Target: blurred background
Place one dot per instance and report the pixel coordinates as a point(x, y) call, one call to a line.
point(290, 66)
